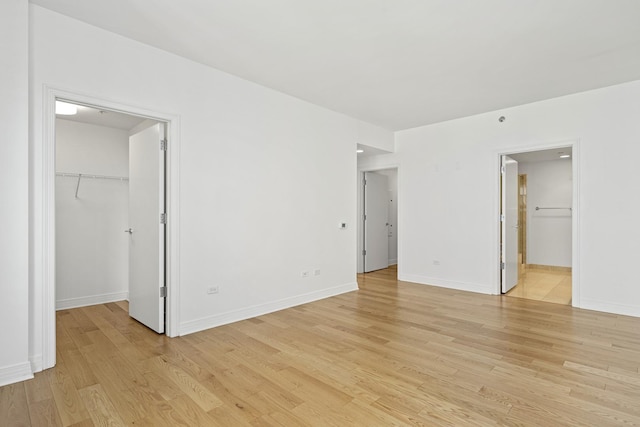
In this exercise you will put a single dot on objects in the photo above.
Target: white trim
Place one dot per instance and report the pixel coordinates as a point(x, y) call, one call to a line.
point(449, 284)
point(64, 304)
point(15, 373)
point(575, 217)
point(261, 309)
point(36, 362)
point(576, 300)
point(393, 261)
point(48, 210)
point(610, 307)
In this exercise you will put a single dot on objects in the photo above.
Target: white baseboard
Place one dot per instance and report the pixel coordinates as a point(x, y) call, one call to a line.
point(450, 284)
point(258, 310)
point(36, 362)
point(15, 373)
point(609, 307)
point(91, 300)
point(393, 261)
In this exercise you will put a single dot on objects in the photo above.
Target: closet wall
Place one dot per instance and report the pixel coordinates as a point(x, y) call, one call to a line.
point(549, 184)
point(91, 246)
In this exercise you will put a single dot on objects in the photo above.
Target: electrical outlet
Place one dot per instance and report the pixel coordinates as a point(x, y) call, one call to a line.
point(213, 290)
point(316, 272)
point(305, 273)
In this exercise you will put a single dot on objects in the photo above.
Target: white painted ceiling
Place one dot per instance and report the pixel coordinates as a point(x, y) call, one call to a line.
point(394, 63)
point(542, 155)
point(96, 116)
point(368, 151)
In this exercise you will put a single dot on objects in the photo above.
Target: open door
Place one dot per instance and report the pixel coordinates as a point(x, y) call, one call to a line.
point(376, 211)
point(147, 227)
point(509, 222)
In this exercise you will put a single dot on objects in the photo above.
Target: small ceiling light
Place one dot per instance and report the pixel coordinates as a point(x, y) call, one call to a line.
point(66, 109)
point(359, 150)
point(502, 119)
point(565, 156)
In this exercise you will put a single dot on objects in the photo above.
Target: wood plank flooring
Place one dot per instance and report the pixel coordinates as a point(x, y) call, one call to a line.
point(543, 285)
point(392, 353)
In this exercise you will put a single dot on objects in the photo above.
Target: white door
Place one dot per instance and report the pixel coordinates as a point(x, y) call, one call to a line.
point(147, 233)
point(509, 256)
point(376, 210)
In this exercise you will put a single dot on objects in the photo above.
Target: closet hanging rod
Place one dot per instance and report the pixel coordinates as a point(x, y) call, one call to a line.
point(539, 208)
point(90, 175)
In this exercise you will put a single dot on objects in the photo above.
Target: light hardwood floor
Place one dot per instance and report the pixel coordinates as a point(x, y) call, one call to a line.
point(543, 285)
point(392, 353)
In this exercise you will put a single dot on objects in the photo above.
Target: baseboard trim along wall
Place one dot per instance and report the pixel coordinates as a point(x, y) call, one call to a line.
point(259, 310)
point(607, 307)
point(548, 267)
point(91, 300)
point(36, 362)
point(15, 373)
point(450, 284)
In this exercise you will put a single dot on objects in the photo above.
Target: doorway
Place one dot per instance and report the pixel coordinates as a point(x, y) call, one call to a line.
point(378, 214)
point(169, 183)
point(537, 219)
point(107, 183)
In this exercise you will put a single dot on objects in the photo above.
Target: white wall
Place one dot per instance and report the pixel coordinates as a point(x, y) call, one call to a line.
point(374, 136)
point(448, 193)
point(265, 178)
point(91, 246)
point(14, 181)
point(549, 184)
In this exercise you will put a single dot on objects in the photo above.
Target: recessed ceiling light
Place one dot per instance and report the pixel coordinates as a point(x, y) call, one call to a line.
point(66, 109)
point(565, 156)
point(359, 150)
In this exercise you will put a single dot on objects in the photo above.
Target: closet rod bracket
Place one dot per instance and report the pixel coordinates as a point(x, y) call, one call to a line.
point(78, 184)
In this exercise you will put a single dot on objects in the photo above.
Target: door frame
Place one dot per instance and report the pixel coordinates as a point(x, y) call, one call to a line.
point(575, 210)
point(172, 194)
point(360, 212)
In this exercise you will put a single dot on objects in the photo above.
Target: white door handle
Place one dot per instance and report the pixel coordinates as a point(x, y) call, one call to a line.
point(130, 231)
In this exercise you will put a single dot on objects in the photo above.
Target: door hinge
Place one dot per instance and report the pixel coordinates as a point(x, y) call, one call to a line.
point(502, 169)
point(502, 266)
point(364, 252)
point(163, 292)
point(364, 217)
point(163, 145)
point(501, 218)
point(163, 218)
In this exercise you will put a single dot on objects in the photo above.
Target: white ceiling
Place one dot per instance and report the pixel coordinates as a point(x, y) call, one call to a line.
point(106, 118)
point(542, 155)
point(368, 151)
point(394, 63)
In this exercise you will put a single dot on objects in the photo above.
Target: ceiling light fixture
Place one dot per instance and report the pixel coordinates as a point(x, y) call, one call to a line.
point(565, 156)
point(359, 150)
point(66, 109)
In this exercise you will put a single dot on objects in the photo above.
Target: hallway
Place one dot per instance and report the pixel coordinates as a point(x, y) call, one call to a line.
point(544, 285)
